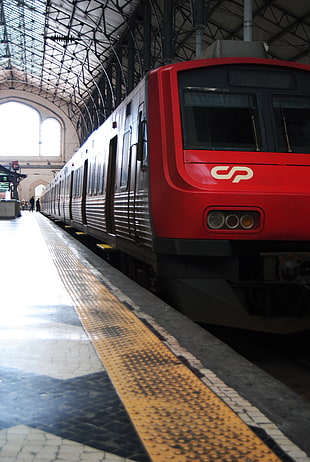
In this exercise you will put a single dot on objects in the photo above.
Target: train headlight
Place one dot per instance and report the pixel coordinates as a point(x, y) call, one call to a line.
point(231, 220)
point(247, 221)
point(216, 220)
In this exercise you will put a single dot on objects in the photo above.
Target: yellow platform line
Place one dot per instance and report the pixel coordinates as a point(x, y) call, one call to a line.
point(105, 247)
point(177, 417)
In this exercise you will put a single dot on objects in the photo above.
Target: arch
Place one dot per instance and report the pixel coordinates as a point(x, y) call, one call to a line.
point(28, 187)
point(39, 189)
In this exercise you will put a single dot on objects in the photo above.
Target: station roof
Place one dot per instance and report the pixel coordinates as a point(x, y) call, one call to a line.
point(58, 46)
point(61, 48)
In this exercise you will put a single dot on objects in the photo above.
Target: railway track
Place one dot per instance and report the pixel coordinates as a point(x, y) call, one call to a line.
point(284, 357)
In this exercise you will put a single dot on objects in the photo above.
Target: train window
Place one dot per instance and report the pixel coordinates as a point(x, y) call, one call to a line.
point(77, 184)
point(89, 182)
point(100, 178)
point(221, 121)
point(73, 184)
point(128, 109)
point(142, 141)
point(292, 114)
point(264, 78)
point(93, 177)
point(125, 161)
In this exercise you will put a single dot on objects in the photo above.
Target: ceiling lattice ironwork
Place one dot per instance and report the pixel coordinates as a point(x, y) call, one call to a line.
point(86, 55)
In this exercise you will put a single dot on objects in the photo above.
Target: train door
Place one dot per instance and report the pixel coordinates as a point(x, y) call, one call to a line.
point(53, 201)
point(84, 192)
point(70, 195)
point(140, 174)
point(58, 192)
point(110, 190)
point(125, 180)
point(62, 192)
point(142, 149)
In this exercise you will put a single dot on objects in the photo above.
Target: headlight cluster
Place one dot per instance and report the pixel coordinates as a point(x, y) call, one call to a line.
point(233, 220)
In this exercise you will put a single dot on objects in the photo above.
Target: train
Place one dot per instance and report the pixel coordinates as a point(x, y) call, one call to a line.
point(200, 181)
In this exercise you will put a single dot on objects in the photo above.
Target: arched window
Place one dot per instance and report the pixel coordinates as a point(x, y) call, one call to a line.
point(20, 129)
point(50, 137)
point(38, 191)
point(23, 133)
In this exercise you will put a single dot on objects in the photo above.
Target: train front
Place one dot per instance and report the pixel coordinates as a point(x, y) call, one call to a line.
point(229, 145)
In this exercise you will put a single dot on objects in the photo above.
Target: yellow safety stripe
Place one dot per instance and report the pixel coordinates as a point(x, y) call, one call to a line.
point(177, 417)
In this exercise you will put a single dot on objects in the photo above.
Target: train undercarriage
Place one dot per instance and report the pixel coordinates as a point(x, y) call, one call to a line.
point(264, 291)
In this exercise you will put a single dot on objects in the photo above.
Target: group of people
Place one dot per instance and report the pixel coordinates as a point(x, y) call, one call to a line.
point(32, 202)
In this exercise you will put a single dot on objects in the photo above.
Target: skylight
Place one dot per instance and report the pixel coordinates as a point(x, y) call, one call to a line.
point(22, 34)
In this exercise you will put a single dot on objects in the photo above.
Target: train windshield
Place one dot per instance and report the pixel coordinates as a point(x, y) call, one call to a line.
point(219, 121)
point(292, 116)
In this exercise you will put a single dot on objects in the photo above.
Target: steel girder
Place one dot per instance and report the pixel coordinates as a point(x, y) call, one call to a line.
point(86, 55)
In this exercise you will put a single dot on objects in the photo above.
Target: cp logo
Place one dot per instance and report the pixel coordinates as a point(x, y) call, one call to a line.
point(237, 173)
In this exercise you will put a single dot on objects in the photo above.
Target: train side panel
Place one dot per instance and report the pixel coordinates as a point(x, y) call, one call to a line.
point(104, 188)
point(116, 191)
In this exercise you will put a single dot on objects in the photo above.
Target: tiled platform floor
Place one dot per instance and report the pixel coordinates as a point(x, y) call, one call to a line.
point(57, 402)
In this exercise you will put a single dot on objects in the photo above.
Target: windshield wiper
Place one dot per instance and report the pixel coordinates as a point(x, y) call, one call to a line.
point(255, 132)
point(286, 132)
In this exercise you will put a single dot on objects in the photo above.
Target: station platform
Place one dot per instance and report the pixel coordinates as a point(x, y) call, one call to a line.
point(94, 368)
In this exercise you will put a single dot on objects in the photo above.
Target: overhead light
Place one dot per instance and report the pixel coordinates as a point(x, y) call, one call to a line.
point(60, 38)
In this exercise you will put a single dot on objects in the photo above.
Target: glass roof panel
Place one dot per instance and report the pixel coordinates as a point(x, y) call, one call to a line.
point(68, 50)
point(22, 34)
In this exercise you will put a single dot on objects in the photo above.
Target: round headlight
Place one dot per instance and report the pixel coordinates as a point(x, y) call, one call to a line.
point(247, 221)
point(232, 221)
point(216, 220)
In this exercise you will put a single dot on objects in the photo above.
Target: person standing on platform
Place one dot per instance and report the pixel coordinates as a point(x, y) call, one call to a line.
point(38, 205)
point(31, 202)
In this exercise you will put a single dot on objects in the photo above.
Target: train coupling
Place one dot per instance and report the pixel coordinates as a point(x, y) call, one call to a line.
point(289, 268)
